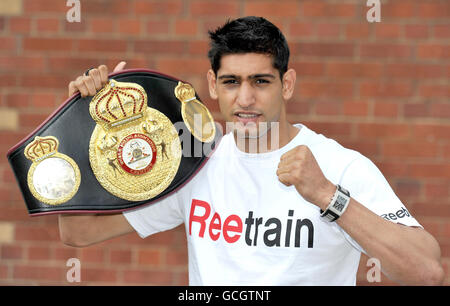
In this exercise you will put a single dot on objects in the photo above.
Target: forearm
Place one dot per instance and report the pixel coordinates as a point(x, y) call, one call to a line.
point(407, 255)
point(84, 230)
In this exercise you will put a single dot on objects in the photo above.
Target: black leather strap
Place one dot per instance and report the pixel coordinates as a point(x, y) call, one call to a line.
point(73, 126)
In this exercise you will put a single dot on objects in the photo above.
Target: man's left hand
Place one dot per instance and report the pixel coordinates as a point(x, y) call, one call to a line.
point(298, 167)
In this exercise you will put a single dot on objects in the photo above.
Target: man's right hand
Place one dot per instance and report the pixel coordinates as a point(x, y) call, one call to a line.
point(89, 85)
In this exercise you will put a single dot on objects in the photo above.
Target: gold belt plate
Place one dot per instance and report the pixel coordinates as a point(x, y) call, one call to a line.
point(134, 150)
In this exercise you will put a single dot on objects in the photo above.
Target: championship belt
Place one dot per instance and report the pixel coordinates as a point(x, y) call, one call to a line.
point(139, 139)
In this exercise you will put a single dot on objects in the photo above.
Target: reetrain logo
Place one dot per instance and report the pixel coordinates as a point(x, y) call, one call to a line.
point(254, 229)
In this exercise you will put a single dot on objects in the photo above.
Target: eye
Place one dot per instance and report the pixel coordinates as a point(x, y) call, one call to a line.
point(230, 81)
point(262, 81)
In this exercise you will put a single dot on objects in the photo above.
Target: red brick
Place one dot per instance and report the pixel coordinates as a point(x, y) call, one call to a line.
point(41, 273)
point(308, 68)
point(380, 130)
point(47, 24)
point(301, 29)
point(148, 277)
point(330, 129)
point(158, 8)
point(89, 274)
point(356, 108)
point(433, 51)
point(320, 9)
point(47, 6)
point(387, 89)
point(416, 71)
point(327, 108)
point(36, 233)
point(129, 26)
point(357, 30)
point(279, 9)
point(94, 254)
point(7, 44)
point(385, 109)
point(429, 170)
point(387, 30)
point(157, 27)
point(20, 25)
point(407, 149)
point(186, 27)
point(437, 190)
point(434, 10)
point(433, 91)
point(398, 9)
point(120, 257)
point(440, 110)
point(48, 44)
point(328, 29)
point(186, 66)
point(160, 46)
point(150, 257)
point(324, 49)
point(101, 25)
point(102, 46)
point(354, 70)
point(416, 110)
point(8, 252)
point(208, 8)
point(431, 132)
point(39, 253)
point(416, 31)
point(386, 50)
point(325, 89)
point(442, 30)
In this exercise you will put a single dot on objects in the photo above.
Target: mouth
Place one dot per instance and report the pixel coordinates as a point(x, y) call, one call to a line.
point(247, 117)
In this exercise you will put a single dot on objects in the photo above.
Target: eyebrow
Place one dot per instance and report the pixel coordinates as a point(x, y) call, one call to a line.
point(254, 76)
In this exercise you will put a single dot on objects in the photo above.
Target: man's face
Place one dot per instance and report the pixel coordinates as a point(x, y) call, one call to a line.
point(250, 93)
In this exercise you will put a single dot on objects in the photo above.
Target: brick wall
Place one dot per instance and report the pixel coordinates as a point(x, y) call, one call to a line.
point(380, 88)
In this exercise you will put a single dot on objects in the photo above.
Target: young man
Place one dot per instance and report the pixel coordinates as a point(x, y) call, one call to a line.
point(282, 215)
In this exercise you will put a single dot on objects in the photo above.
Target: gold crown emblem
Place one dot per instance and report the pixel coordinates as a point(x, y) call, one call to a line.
point(185, 92)
point(41, 147)
point(118, 103)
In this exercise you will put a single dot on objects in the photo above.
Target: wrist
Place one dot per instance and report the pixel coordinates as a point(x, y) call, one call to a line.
point(338, 204)
point(326, 195)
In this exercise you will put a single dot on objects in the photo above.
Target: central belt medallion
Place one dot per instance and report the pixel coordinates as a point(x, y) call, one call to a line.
point(134, 149)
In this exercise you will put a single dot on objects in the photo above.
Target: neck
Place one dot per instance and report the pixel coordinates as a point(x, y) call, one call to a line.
point(277, 136)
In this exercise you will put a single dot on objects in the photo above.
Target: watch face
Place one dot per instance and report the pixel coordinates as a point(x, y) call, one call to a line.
point(339, 204)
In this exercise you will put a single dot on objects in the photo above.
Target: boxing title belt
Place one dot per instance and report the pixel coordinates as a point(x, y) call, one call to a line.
point(138, 140)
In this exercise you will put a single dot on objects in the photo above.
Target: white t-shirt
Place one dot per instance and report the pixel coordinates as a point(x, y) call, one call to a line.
point(244, 227)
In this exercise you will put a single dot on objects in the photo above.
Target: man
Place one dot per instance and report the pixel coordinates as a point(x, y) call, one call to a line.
point(277, 215)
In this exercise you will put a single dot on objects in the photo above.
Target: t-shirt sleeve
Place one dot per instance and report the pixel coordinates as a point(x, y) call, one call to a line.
point(156, 217)
point(368, 186)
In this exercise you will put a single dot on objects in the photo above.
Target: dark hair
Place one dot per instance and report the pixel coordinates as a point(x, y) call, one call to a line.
point(249, 34)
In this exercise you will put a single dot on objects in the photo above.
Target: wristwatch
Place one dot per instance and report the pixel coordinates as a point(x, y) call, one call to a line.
point(338, 204)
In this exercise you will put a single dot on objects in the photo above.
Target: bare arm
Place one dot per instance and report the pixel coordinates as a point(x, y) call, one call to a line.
point(408, 255)
point(85, 230)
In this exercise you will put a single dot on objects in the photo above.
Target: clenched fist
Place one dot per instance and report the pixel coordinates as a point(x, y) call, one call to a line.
point(88, 85)
point(299, 168)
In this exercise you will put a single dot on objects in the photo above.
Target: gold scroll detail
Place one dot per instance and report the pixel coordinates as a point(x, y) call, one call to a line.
point(134, 150)
point(195, 115)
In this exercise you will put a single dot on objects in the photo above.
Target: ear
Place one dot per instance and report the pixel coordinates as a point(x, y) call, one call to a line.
point(211, 76)
point(289, 79)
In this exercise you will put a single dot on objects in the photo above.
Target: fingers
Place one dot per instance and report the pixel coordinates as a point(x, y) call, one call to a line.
point(120, 66)
point(103, 70)
point(97, 78)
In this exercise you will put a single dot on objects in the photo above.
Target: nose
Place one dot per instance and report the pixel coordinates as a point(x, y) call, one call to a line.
point(246, 96)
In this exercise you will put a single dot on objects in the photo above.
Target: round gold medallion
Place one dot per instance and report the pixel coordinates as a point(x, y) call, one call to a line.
point(134, 150)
